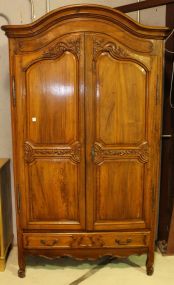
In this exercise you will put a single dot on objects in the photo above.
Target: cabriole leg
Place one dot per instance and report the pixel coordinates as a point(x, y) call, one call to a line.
point(21, 273)
point(149, 263)
point(22, 264)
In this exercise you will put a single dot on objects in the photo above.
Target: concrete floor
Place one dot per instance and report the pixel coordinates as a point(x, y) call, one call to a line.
point(106, 271)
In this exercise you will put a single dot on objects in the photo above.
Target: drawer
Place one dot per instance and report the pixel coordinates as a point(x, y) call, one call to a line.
point(86, 240)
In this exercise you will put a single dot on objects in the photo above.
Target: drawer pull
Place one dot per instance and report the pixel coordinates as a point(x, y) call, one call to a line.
point(48, 243)
point(85, 245)
point(123, 242)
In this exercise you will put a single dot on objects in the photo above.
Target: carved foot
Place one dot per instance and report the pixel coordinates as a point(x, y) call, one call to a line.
point(149, 270)
point(21, 273)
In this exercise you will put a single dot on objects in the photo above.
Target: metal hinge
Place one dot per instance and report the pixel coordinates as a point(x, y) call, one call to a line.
point(94, 65)
point(153, 197)
point(157, 90)
point(14, 91)
point(18, 199)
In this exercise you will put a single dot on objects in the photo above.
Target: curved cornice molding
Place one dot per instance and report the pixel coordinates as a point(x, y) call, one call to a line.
point(85, 11)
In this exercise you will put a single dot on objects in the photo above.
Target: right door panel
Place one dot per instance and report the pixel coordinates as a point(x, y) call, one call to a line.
point(119, 149)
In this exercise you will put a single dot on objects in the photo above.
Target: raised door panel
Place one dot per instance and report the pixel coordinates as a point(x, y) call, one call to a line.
point(116, 189)
point(52, 135)
point(120, 106)
point(53, 118)
point(119, 143)
point(53, 188)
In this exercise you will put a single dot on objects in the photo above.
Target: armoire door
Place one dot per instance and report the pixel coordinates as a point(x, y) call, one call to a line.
point(120, 132)
point(50, 134)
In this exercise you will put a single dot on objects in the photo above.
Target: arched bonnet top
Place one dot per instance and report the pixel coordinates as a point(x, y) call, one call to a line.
point(85, 12)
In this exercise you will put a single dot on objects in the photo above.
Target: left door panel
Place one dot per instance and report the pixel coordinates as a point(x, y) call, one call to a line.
point(50, 135)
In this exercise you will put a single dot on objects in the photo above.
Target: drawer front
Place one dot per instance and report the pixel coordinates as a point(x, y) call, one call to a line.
point(86, 240)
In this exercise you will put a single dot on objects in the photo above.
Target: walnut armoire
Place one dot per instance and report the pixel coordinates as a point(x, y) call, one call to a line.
point(86, 99)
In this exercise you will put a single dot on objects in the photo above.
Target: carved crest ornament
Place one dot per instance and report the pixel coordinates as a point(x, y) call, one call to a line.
point(102, 153)
point(32, 152)
point(114, 49)
point(72, 45)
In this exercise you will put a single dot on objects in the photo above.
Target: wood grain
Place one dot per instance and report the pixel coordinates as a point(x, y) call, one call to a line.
point(56, 100)
point(86, 240)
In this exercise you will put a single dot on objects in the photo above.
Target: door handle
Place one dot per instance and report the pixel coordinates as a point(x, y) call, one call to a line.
point(49, 243)
point(123, 242)
point(92, 152)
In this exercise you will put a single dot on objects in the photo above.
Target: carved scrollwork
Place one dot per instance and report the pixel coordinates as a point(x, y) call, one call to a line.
point(141, 153)
point(114, 49)
point(32, 152)
point(56, 50)
point(59, 48)
point(86, 241)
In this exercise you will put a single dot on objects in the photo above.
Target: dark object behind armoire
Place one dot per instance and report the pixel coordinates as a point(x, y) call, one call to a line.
point(167, 183)
point(166, 206)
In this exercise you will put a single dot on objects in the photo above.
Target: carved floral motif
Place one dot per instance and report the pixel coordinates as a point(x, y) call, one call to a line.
point(141, 153)
point(114, 49)
point(59, 48)
point(87, 241)
point(32, 152)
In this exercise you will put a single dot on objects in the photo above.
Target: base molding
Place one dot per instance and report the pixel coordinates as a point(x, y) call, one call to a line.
point(85, 254)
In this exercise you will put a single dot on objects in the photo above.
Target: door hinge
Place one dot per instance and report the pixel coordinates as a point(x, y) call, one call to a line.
point(153, 197)
point(94, 65)
point(18, 199)
point(14, 91)
point(157, 90)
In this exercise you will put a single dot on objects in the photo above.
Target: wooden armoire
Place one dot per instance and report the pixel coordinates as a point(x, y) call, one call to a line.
point(86, 99)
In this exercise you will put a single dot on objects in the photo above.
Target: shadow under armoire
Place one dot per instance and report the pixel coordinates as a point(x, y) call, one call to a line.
point(86, 98)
